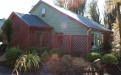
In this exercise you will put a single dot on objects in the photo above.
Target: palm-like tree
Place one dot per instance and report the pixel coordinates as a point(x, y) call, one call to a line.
point(7, 31)
point(114, 4)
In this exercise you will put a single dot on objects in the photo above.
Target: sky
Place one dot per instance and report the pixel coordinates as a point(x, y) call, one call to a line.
point(8, 6)
point(22, 6)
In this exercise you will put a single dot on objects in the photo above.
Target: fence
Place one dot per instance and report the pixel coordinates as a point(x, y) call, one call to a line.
point(77, 45)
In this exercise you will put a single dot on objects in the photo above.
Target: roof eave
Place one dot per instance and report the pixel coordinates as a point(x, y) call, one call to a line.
point(101, 30)
point(32, 27)
point(82, 24)
point(35, 6)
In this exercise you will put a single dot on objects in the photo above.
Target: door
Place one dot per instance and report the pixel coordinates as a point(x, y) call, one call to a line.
point(97, 42)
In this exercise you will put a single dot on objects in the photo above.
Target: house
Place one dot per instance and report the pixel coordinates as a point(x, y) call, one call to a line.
point(24, 25)
point(68, 23)
point(78, 32)
point(1, 24)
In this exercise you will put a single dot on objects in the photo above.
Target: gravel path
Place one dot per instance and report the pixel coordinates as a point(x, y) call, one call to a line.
point(44, 71)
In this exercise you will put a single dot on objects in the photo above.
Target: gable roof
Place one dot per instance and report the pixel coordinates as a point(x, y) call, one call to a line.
point(88, 23)
point(1, 19)
point(32, 20)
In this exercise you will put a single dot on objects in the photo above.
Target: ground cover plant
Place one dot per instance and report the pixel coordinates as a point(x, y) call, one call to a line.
point(56, 51)
point(36, 49)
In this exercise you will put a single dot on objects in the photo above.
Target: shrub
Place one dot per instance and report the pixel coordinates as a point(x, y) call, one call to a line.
point(0, 37)
point(3, 47)
point(42, 50)
point(93, 56)
point(109, 58)
point(12, 55)
point(56, 51)
point(54, 57)
point(66, 59)
point(45, 56)
point(36, 49)
point(27, 62)
point(116, 54)
point(32, 49)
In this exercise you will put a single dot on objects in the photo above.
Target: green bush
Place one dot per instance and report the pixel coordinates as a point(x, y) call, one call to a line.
point(42, 50)
point(116, 54)
point(45, 56)
point(109, 58)
point(110, 46)
point(32, 49)
point(38, 50)
point(0, 37)
point(28, 62)
point(56, 51)
point(12, 55)
point(3, 47)
point(93, 56)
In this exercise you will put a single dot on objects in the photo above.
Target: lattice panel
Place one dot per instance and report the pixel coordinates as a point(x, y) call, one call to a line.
point(62, 42)
point(79, 45)
point(33, 40)
point(48, 40)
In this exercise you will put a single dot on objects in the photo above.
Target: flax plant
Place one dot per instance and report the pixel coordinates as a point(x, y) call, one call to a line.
point(28, 62)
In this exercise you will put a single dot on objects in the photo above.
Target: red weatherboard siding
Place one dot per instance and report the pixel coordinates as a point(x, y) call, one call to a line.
point(21, 34)
point(107, 38)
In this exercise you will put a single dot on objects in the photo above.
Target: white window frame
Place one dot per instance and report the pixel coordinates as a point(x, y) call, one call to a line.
point(43, 11)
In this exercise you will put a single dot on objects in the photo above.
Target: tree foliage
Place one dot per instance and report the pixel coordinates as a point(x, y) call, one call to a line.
point(79, 10)
point(112, 11)
point(8, 31)
point(115, 5)
point(109, 19)
point(94, 11)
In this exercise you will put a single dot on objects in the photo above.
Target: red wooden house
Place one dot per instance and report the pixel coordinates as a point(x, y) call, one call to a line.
point(78, 31)
point(24, 25)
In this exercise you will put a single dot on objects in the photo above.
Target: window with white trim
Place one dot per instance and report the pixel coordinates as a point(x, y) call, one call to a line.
point(43, 12)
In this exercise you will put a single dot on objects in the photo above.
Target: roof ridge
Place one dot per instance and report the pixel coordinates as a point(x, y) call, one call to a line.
point(75, 16)
point(20, 17)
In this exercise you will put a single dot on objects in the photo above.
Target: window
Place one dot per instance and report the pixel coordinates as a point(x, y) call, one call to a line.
point(43, 12)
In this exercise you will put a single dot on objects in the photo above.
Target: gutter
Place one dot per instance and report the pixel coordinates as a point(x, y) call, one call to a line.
point(88, 31)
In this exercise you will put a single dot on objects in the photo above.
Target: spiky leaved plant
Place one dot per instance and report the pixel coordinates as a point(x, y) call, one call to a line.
point(28, 62)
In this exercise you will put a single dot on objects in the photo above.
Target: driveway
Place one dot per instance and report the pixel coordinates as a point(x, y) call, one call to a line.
point(7, 71)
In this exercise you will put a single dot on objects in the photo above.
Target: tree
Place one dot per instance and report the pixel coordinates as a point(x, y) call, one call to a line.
point(115, 4)
point(77, 6)
point(71, 3)
point(8, 31)
point(110, 6)
point(79, 10)
point(94, 11)
point(110, 18)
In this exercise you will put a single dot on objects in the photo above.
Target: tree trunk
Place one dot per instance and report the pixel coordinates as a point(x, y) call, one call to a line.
point(119, 20)
point(119, 23)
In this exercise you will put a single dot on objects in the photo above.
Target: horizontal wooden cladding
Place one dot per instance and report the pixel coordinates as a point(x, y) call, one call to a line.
point(44, 28)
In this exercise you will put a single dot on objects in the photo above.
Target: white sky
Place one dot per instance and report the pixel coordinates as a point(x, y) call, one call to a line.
point(22, 6)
